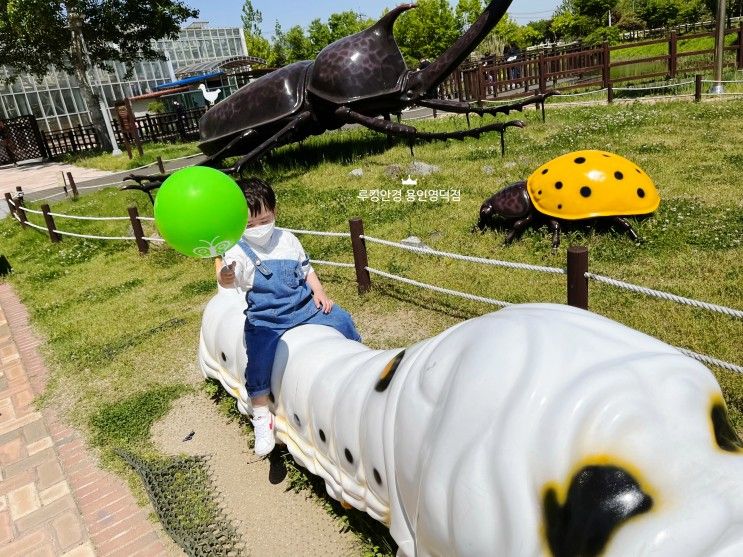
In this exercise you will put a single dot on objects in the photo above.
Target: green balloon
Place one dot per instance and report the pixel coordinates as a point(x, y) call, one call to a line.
point(200, 211)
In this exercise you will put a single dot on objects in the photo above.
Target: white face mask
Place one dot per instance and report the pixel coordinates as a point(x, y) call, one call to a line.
point(260, 235)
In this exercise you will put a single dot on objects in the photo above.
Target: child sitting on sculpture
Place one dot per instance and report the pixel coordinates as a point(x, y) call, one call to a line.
point(284, 293)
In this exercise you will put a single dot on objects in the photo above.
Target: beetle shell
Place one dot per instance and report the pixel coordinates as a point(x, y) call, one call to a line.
point(587, 184)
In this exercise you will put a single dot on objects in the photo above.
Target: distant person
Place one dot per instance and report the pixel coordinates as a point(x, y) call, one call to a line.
point(180, 117)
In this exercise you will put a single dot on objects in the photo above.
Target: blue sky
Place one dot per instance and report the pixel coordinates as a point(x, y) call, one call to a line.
point(301, 12)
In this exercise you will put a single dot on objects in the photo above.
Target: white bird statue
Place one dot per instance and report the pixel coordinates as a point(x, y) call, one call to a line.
point(209, 96)
point(537, 430)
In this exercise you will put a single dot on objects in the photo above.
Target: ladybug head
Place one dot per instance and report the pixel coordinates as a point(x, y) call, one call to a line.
point(367, 64)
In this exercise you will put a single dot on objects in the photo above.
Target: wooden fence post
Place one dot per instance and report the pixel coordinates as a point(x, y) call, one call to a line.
point(577, 280)
point(53, 236)
point(606, 67)
point(739, 64)
point(160, 164)
point(363, 280)
point(672, 55)
point(610, 93)
point(10, 202)
point(542, 73)
point(19, 206)
point(72, 185)
point(138, 232)
point(698, 88)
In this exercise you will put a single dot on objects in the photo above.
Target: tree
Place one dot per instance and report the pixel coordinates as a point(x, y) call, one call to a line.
point(319, 36)
point(426, 31)
point(660, 13)
point(76, 35)
point(280, 51)
point(343, 24)
point(298, 45)
point(256, 43)
point(467, 12)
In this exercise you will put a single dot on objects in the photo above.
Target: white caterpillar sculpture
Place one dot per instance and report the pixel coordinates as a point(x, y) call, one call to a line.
point(535, 430)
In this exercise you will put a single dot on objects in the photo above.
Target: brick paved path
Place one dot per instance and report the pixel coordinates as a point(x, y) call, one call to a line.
point(54, 500)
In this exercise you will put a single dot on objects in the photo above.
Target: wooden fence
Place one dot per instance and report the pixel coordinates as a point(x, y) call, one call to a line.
point(586, 67)
point(158, 127)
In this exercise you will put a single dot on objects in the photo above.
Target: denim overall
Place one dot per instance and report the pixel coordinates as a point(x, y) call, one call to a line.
point(280, 300)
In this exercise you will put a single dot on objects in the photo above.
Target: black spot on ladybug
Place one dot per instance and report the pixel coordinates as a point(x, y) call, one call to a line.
point(605, 155)
point(638, 170)
point(618, 175)
point(559, 206)
point(558, 185)
point(322, 435)
point(585, 191)
point(377, 477)
point(640, 193)
point(539, 192)
point(545, 171)
point(349, 456)
point(580, 160)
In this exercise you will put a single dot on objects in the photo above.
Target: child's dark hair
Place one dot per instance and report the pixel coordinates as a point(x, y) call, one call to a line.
point(258, 194)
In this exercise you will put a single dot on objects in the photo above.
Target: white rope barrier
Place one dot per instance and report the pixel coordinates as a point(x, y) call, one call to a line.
point(668, 86)
point(666, 296)
point(10, 200)
point(438, 288)
point(317, 232)
point(50, 196)
point(157, 240)
point(710, 360)
point(332, 263)
point(146, 219)
point(32, 211)
point(471, 259)
point(584, 93)
point(77, 217)
point(92, 237)
point(714, 81)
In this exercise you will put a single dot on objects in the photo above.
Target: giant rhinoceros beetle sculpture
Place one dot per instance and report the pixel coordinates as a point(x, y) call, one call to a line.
point(353, 80)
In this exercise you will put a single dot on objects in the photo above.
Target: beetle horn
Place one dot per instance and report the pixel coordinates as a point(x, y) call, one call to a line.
point(432, 76)
point(388, 19)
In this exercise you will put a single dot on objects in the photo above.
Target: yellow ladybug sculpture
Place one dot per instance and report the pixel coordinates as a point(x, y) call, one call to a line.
point(577, 186)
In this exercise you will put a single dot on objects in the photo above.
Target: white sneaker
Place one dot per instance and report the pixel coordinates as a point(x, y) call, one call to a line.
point(263, 428)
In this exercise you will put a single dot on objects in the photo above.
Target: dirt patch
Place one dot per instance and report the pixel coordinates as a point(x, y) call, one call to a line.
point(271, 520)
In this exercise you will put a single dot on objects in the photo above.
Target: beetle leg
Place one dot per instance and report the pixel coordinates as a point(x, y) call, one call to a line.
point(555, 228)
point(518, 227)
point(408, 131)
point(270, 143)
point(626, 227)
point(466, 108)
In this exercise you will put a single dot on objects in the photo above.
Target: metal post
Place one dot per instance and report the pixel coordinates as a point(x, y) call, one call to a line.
point(138, 232)
point(360, 259)
point(698, 88)
point(718, 88)
point(73, 186)
point(53, 236)
point(160, 164)
point(577, 280)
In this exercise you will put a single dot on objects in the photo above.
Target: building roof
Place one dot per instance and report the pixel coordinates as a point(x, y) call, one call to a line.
point(188, 80)
point(157, 94)
point(221, 65)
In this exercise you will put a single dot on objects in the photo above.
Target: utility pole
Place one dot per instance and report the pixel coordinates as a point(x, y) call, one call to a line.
point(718, 88)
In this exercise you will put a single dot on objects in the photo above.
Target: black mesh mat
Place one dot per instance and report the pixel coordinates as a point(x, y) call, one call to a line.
point(188, 505)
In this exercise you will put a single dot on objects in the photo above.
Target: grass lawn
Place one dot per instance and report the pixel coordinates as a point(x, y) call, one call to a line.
point(106, 161)
point(121, 329)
